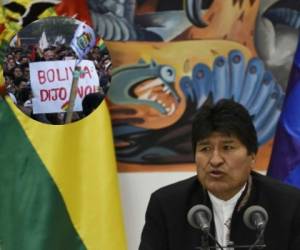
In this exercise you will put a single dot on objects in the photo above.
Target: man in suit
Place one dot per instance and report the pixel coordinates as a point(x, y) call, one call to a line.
point(225, 146)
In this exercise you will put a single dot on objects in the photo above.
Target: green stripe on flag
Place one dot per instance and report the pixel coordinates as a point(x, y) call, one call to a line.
point(33, 215)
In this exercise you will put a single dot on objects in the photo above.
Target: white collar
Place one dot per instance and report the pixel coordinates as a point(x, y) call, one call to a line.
point(231, 201)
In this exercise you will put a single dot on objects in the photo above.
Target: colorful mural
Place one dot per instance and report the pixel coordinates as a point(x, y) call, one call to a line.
point(170, 56)
point(217, 49)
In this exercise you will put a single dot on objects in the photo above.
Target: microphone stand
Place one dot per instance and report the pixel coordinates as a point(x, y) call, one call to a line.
point(259, 243)
point(233, 246)
point(204, 241)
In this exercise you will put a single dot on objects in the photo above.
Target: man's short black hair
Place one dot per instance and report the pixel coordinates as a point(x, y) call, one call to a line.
point(227, 117)
point(18, 80)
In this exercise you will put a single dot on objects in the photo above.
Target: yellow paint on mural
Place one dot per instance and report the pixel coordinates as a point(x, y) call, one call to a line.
point(182, 56)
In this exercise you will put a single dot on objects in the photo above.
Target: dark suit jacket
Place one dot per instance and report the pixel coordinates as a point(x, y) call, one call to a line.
point(166, 226)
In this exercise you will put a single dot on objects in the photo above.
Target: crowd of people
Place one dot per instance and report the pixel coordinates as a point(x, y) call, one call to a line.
point(17, 77)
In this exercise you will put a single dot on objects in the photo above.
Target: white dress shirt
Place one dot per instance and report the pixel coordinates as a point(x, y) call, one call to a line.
point(222, 216)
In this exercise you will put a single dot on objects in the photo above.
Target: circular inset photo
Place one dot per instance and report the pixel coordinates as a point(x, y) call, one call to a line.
point(56, 70)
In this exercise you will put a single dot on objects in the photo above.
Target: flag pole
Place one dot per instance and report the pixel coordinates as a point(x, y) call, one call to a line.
point(82, 42)
point(73, 92)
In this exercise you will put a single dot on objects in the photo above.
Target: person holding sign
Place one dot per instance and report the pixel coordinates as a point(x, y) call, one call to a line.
point(58, 66)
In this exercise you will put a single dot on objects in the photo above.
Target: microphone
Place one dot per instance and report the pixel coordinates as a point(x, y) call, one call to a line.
point(256, 218)
point(199, 217)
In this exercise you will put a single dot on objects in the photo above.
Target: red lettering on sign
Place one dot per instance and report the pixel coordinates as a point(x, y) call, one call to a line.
point(86, 71)
point(71, 70)
point(54, 75)
point(62, 94)
point(88, 90)
point(41, 76)
point(60, 75)
point(83, 91)
point(51, 75)
point(80, 91)
point(44, 94)
point(53, 94)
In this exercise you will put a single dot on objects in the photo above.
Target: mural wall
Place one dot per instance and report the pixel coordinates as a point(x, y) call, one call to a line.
point(169, 57)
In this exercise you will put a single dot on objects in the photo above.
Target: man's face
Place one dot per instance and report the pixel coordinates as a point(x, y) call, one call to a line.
point(10, 64)
point(223, 164)
point(22, 85)
point(24, 60)
point(18, 72)
point(26, 73)
point(49, 55)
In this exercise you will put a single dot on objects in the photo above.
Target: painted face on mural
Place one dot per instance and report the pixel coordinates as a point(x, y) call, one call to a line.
point(223, 164)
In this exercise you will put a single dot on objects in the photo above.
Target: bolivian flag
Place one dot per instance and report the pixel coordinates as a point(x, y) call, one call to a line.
point(58, 184)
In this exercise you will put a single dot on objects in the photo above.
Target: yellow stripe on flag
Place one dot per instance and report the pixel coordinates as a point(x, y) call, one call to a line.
point(80, 158)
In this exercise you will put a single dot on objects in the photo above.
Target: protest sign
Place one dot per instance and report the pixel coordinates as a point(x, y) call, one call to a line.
point(51, 83)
